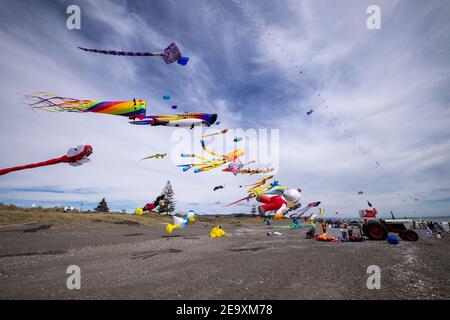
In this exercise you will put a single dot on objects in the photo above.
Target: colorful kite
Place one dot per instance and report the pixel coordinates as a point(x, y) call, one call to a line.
point(302, 211)
point(158, 155)
point(209, 164)
point(251, 171)
point(52, 103)
point(178, 120)
point(258, 183)
point(75, 157)
point(235, 165)
point(215, 133)
point(169, 55)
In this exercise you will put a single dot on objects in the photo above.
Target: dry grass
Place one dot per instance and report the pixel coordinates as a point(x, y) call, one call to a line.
point(12, 215)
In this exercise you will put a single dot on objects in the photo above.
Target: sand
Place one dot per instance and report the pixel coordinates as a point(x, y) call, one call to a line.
point(123, 257)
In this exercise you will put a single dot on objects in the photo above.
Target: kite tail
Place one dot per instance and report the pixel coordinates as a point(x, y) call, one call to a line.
point(123, 53)
point(33, 165)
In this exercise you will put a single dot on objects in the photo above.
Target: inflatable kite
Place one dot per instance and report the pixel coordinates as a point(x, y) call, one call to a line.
point(324, 237)
point(75, 157)
point(181, 222)
point(217, 232)
point(209, 164)
point(261, 187)
point(234, 163)
point(274, 198)
point(293, 225)
point(160, 201)
point(52, 103)
point(278, 203)
point(178, 120)
point(170, 54)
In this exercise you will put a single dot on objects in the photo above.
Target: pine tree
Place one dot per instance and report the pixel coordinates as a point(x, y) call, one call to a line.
point(253, 212)
point(169, 207)
point(102, 206)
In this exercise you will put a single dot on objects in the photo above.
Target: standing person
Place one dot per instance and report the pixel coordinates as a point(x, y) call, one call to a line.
point(324, 226)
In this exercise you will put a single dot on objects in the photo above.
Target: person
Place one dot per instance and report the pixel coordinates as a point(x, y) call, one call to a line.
point(437, 228)
point(324, 226)
point(311, 233)
point(160, 201)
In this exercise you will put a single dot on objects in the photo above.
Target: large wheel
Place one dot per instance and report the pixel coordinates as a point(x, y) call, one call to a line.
point(375, 230)
point(409, 235)
point(364, 229)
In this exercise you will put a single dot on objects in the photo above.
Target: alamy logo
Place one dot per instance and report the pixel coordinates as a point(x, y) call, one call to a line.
point(74, 280)
point(74, 20)
point(374, 280)
point(374, 20)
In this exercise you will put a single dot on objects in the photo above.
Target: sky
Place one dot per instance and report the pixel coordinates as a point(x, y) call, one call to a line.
point(380, 99)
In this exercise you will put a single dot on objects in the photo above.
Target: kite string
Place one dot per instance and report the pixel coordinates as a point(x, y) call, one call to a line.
point(250, 17)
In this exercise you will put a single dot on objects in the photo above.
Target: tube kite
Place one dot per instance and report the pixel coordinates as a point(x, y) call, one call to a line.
point(75, 157)
point(169, 55)
point(52, 103)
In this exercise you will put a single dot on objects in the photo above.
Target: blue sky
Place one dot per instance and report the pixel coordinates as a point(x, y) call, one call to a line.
point(382, 91)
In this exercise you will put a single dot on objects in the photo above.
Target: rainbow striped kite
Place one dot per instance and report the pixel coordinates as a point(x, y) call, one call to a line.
point(52, 103)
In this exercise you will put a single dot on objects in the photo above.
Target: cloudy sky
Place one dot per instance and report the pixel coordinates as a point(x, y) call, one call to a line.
point(380, 98)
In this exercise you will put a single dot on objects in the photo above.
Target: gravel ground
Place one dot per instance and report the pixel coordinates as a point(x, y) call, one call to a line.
point(142, 262)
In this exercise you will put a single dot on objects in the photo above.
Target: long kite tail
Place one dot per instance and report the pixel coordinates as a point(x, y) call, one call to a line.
point(123, 53)
point(33, 165)
point(250, 196)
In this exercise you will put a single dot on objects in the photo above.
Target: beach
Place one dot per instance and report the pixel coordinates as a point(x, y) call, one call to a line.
point(123, 257)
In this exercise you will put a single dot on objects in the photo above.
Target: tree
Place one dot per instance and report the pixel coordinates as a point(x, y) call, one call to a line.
point(253, 212)
point(102, 206)
point(169, 207)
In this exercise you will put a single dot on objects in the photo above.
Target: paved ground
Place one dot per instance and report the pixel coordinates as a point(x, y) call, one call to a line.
point(141, 262)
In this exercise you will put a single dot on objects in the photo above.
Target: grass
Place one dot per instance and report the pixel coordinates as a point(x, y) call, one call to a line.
point(12, 215)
